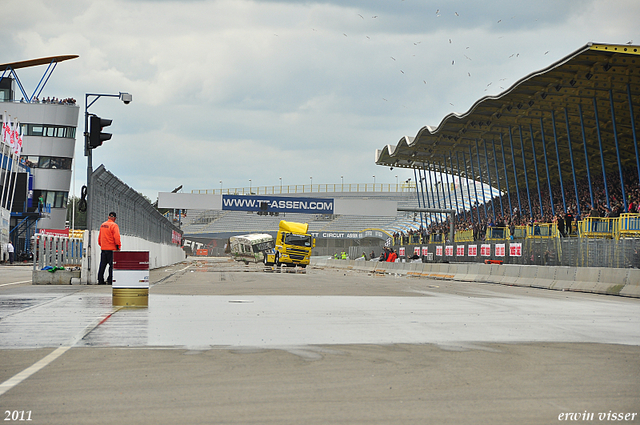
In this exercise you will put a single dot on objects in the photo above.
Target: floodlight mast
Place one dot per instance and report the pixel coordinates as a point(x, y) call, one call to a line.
point(126, 98)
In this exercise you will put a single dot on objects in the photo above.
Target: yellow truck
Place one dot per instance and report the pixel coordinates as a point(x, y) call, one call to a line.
point(292, 246)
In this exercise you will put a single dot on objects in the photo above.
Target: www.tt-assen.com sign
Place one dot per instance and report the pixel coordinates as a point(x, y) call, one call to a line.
point(278, 204)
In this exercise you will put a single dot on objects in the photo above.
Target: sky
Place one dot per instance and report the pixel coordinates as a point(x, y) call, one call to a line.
point(266, 92)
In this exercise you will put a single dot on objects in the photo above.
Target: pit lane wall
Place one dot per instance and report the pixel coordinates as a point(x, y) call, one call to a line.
point(160, 255)
point(597, 280)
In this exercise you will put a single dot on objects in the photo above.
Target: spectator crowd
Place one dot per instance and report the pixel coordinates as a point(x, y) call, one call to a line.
point(564, 214)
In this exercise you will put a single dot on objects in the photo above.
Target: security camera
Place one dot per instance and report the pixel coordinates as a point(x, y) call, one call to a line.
point(126, 98)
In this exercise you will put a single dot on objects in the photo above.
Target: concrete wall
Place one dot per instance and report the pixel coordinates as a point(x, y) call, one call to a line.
point(160, 255)
point(599, 280)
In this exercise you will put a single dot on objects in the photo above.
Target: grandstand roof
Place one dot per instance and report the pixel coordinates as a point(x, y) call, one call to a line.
point(550, 103)
point(35, 62)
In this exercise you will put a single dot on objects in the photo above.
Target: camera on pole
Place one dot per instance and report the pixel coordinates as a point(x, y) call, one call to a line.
point(96, 136)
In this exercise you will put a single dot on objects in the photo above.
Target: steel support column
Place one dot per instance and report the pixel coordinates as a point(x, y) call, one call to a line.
point(486, 159)
point(586, 154)
point(506, 177)
point(546, 165)
point(633, 130)
point(615, 138)
point(418, 182)
point(555, 138)
point(475, 186)
point(573, 168)
point(526, 176)
point(466, 174)
point(449, 184)
point(604, 172)
point(535, 165)
point(484, 199)
point(495, 162)
point(464, 209)
point(515, 171)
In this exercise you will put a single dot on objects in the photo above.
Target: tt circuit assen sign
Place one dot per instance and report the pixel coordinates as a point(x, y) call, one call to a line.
point(278, 204)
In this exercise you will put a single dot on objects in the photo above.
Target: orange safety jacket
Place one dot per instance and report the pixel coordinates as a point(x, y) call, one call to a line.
point(109, 237)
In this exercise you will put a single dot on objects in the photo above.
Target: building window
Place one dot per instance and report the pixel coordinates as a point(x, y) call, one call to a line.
point(49, 131)
point(53, 162)
point(52, 198)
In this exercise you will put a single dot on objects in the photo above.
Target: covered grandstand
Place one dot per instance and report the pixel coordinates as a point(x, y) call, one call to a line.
point(550, 169)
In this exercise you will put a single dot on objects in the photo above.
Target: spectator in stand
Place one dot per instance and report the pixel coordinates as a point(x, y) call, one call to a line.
point(560, 224)
point(568, 218)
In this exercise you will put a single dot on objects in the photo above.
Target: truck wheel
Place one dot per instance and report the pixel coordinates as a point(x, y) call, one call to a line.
point(277, 260)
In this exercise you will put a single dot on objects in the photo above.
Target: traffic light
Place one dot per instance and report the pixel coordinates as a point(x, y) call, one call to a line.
point(96, 136)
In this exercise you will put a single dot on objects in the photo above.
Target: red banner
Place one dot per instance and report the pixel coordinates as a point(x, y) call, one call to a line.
point(55, 232)
point(460, 250)
point(485, 250)
point(473, 250)
point(448, 251)
point(401, 251)
point(439, 251)
point(425, 250)
point(515, 250)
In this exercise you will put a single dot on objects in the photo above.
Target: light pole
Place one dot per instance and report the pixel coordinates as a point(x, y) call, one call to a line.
point(342, 182)
point(250, 191)
point(396, 183)
point(126, 98)
point(311, 178)
point(374, 183)
point(280, 184)
point(220, 187)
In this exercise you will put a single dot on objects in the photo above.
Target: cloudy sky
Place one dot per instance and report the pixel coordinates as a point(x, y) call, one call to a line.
point(232, 90)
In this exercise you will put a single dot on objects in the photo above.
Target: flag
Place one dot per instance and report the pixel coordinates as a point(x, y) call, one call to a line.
point(17, 148)
point(10, 132)
point(5, 133)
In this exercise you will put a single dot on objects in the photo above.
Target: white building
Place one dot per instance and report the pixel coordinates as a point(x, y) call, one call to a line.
point(49, 137)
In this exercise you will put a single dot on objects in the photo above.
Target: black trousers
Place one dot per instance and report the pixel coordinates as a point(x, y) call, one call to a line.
point(106, 258)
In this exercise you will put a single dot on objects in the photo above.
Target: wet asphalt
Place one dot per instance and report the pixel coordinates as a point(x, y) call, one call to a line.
point(222, 342)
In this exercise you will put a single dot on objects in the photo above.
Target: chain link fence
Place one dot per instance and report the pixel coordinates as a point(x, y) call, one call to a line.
point(573, 252)
point(136, 216)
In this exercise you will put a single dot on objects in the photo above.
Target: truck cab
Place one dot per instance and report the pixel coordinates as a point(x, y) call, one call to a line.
point(293, 245)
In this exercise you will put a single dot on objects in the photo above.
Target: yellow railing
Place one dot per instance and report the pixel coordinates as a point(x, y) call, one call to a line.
point(541, 230)
point(311, 188)
point(464, 236)
point(497, 233)
point(599, 227)
point(629, 225)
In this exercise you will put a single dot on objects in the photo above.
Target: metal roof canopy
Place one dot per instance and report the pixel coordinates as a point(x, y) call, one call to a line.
point(51, 61)
point(555, 100)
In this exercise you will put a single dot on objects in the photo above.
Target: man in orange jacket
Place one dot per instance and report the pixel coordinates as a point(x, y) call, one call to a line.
point(109, 241)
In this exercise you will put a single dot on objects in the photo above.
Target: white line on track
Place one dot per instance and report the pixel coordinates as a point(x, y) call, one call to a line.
point(15, 380)
point(21, 376)
point(15, 283)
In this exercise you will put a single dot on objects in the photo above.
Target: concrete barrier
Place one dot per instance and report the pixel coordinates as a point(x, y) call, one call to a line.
point(59, 277)
point(599, 280)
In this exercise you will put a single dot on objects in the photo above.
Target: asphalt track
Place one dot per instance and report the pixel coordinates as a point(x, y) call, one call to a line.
point(225, 343)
